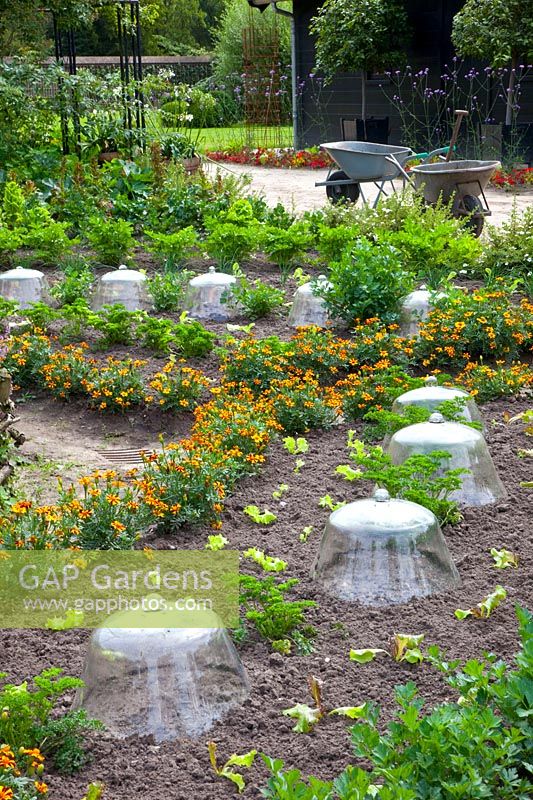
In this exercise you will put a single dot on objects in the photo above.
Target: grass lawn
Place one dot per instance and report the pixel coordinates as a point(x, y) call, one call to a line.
point(237, 135)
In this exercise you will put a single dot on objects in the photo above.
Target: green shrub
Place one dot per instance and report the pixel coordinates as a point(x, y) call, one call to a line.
point(228, 243)
point(432, 245)
point(50, 242)
point(256, 298)
point(332, 242)
point(509, 247)
point(111, 239)
point(167, 290)
point(29, 719)
point(172, 249)
point(155, 334)
point(285, 245)
point(76, 283)
point(367, 281)
point(200, 105)
point(192, 339)
point(116, 324)
point(13, 206)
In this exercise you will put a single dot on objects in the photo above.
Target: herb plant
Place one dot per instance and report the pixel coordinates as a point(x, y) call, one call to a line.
point(366, 281)
point(28, 719)
point(111, 239)
point(277, 619)
point(257, 299)
point(422, 479)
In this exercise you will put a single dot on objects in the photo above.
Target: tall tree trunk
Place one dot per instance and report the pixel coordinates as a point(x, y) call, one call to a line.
point(510, 91)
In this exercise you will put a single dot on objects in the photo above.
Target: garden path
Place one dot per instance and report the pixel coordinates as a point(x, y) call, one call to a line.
point(295, 188)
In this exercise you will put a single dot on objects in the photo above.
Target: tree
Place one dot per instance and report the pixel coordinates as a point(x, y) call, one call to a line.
point(500, 31)
point(360, 35)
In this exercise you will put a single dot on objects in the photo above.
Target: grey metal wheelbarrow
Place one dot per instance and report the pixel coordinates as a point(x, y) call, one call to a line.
point(367, 162)
point(461, 182)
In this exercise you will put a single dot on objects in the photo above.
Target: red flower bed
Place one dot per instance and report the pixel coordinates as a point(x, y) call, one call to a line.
point(514, 177)
point(286, 157)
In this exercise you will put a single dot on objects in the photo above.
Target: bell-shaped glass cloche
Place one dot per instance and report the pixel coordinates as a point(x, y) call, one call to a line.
point(123, 285)
point(167, 681)
point(24, 286)
point(468, 450)
point(204, 296)
point(431, 395)
point(307, 307)
point(381, 551)
point(414, 309)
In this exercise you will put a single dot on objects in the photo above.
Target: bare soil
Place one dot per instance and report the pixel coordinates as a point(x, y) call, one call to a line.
point(67, 440)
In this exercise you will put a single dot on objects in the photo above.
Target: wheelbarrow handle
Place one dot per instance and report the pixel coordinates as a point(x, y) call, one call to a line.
point(460, 113)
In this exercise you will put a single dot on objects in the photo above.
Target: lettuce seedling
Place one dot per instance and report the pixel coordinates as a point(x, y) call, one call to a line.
point(485, 608)
point(280, 491)
point(352, 712)
point(503, 558)
point(295, 446)
point(94, 791)
point(246, 760)
point(366, 655)
point(268, 563)
point(72, 619)
point(260, 517)
point(328, 502)
point(216, 542)
point(298, 464)
point(304, 536)
point(405, 647)
point(305, 716)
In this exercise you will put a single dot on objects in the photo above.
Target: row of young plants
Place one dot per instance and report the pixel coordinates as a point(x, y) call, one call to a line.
point(177, 217)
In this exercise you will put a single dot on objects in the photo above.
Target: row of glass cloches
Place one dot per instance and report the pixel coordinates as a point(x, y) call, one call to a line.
point(172, 682)
point(203, 298)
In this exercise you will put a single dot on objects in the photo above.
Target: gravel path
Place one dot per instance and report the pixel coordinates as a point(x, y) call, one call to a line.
point(296, 189)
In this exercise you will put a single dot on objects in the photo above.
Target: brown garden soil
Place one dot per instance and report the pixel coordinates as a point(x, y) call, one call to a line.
point(65, 440)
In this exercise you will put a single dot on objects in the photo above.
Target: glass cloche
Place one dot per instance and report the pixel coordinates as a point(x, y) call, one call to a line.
point(307, 307)
point(204, 296)
point(431, 395)
point(123, 285)
point(468, 450)
point(168, 682)
point(24, 286)
point(414, 309)
point(380, 551)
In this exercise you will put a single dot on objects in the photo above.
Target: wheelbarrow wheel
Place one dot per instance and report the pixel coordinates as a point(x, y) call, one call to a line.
point(344, 191)
point(477, 219)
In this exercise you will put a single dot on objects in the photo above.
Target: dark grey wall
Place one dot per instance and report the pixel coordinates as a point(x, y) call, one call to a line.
point(321, 109)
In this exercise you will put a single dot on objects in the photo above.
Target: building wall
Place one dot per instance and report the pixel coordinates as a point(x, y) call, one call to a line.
point(322, 108)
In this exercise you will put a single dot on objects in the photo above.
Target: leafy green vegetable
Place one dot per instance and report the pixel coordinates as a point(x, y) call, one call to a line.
point(405, 647)
point(268, 563)
point(216, 542)
point(260, 517)
point(296, 446)
point(485, 607)
point(503, 558)
point(226, 771)
point(307, 531)
point(328, 502)
point(352, 712)
point(280, 491)
point(305, 716)
point(365, 655)
point(72, 619)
